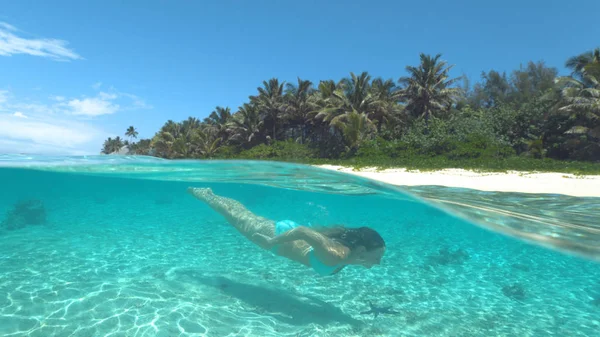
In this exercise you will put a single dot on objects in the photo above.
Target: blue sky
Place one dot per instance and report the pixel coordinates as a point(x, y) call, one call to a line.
point(76, 72)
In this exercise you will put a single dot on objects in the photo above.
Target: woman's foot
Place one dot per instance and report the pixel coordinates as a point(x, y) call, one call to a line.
point(200, 193)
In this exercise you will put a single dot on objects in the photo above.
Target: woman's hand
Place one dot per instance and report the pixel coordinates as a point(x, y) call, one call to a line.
point(263, 240)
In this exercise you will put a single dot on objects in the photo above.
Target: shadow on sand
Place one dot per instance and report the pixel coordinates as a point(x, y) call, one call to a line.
point(288, 308)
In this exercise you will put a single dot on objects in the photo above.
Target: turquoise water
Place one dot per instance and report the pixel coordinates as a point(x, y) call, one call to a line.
point(112, 246)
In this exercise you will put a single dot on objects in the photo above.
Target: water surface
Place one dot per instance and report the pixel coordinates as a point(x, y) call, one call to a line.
point(123, 250)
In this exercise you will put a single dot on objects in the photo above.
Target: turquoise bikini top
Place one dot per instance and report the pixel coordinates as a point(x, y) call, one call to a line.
point(321, 268)
point(316, 264)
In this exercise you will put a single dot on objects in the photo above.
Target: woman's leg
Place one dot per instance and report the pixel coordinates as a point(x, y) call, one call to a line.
point(236, 214)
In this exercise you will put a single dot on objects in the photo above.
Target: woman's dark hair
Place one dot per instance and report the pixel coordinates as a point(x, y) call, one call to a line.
point(354, 237)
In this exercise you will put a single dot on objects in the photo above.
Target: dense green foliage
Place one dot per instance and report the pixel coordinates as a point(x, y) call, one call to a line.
point(528, 119)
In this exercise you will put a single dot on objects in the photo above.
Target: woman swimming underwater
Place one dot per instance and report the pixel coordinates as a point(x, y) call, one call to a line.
point(326, 250)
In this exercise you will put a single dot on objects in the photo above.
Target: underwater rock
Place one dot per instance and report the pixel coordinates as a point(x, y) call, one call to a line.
point(514, 291)
point(445, 257)
point(24, 213)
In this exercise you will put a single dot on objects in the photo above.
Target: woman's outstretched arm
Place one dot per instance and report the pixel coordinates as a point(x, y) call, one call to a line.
point(324, 248)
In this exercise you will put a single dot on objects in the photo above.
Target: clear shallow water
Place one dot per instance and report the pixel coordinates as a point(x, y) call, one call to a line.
point(125, 251)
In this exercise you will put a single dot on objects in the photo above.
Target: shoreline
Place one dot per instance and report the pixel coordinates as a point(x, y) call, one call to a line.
point(513, 181)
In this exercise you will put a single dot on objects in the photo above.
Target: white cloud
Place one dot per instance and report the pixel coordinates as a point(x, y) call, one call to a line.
point(39, 128)
point(105, 103)
point(57, 126)
point(47, 135)
point(50, 132)
point(11, 44)
point(95, 106)
point(97, 85)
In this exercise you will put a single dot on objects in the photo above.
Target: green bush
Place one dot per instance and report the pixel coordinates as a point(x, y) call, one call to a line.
point(381, 148)
point(227, 152)
point(288, 149)
point(478, 146)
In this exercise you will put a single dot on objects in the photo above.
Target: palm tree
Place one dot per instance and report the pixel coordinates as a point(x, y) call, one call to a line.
point(355, 127)
point(346, 102)
point(170, 140)
point(112, 145)
point(142, 147)
point(245, 125)
point(588, 61)
point(349, 94)
point(428, 88)
point(189, 125)
point(356, 92)
point(326, 89)
point(218, 119)
point(270, 103)
point(171, 127)
point(581, 91)
point(106, 147)
point(205, 143)
point(219, 116)
point(331, 103)
point(131, 133)
point(385, 105)
point(580, 102)
point(300, 103)
point(581, 96)
point(162, 143)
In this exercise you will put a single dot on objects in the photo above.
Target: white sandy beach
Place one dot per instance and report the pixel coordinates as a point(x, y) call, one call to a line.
point(523, 182)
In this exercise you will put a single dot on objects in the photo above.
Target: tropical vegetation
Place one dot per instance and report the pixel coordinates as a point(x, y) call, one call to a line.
point(426, 117)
